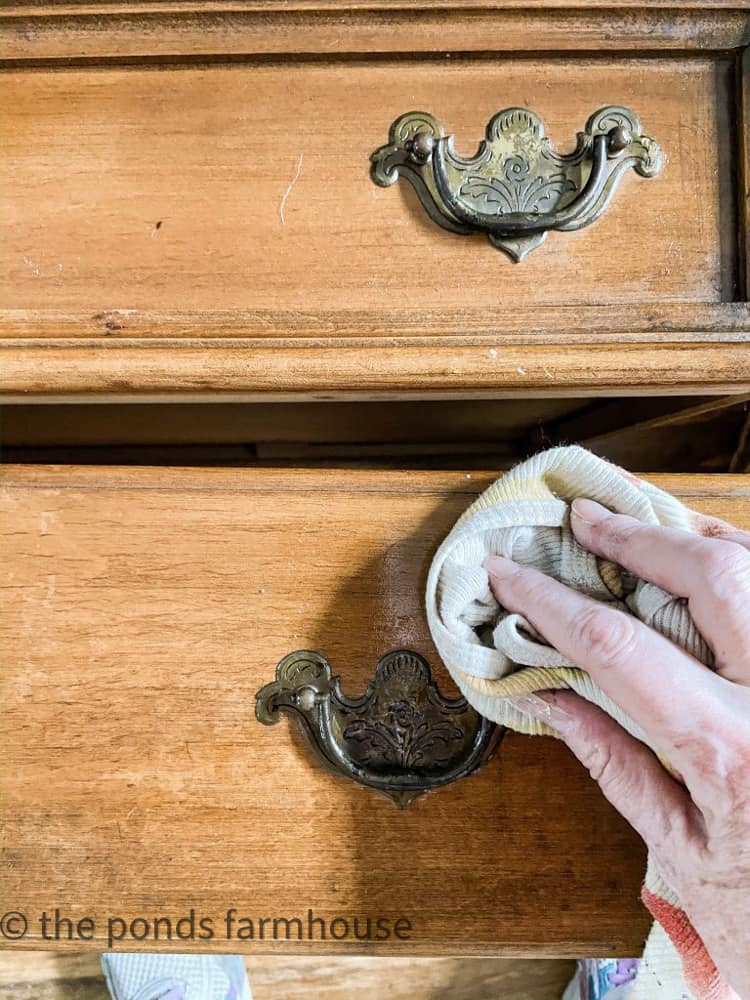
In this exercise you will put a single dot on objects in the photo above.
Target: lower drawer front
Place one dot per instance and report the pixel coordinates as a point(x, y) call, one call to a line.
point(143, 610)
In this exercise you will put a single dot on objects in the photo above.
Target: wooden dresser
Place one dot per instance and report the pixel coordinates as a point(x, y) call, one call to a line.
point(248, 390)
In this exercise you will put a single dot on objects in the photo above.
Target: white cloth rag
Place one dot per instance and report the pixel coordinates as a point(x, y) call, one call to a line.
point(494, 655)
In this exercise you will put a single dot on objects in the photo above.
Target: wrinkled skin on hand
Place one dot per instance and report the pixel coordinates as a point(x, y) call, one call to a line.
point(697, 828)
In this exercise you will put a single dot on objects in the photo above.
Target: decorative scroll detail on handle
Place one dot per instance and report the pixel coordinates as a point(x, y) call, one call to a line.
point(401, 737)
point(516, 188)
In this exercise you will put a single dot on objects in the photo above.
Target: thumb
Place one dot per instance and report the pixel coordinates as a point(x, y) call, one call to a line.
point(657, 806)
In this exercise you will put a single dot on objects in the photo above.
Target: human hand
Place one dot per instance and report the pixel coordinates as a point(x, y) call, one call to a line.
point(697, 830)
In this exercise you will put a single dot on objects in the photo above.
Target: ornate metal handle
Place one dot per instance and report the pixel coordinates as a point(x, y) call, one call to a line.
point(516, 188)
point(401, 736)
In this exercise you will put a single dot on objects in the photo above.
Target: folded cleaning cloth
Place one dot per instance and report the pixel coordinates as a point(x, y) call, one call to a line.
point(494, 655)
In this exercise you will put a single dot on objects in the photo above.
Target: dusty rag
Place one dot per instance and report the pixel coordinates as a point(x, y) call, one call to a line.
point(494, 655)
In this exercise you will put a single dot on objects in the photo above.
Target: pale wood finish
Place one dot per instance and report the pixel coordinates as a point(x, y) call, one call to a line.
point(144, 608)
point(148, 257)
point(55, 976)
point(161, 190)
point(466, 324)
point(531, 351)
point(211, 28)
point(210, 371)
point(578, 7)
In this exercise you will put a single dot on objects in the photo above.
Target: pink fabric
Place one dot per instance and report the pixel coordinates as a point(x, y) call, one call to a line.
point(701, 974)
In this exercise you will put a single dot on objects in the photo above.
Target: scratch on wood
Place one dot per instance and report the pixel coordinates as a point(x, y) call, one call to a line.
point(289, 189)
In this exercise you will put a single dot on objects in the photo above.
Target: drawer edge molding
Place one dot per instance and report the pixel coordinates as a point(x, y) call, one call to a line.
point(644, 322)
point(126, 354)
point(121, 32)
point(150, 372)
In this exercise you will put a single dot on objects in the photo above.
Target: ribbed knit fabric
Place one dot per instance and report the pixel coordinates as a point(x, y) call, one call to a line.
point(169, 976)
point(494, 655)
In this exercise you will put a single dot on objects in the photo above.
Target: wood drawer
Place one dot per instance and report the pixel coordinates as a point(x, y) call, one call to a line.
point(143, 610)
point(189, 211)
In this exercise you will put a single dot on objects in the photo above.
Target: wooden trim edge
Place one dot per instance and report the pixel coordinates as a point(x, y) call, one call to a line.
point(133, 371)
point(320, 480)
point(743, 187)
point(133, 32)
point(466, 326)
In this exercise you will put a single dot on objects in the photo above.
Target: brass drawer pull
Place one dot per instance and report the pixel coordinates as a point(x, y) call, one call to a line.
point(517, 187)
point(401, 736)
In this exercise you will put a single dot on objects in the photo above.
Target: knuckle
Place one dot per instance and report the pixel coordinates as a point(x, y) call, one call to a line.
point(720, 718)
point(606, 635)
point(727, 567)
point(737, 768)
point(616, 532)
point(729, 769)
point(602, 765)
point(720, 758)
point(741, 811)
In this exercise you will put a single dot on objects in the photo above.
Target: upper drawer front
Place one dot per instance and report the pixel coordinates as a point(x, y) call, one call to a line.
point(246, 187)
point(189, 209)
point(143, 609)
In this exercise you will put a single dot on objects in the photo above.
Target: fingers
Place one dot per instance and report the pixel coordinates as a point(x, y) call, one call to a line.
point(713, 573)
point(629, 775)
point(657, 684)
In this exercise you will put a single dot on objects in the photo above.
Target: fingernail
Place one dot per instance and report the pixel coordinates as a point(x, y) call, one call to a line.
point(543, 710)
point(589, 511)
point(500, 567)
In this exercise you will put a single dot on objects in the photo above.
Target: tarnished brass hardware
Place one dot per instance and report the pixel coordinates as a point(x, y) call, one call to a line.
point(402, 737)
point(516, 188)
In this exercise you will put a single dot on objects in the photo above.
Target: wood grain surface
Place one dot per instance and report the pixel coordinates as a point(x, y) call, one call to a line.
point(212, 28)
point(246, 186)
point(210, 232)
point(213, 371)
point(143, 608)
point(307, 354)
point(78, 976)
